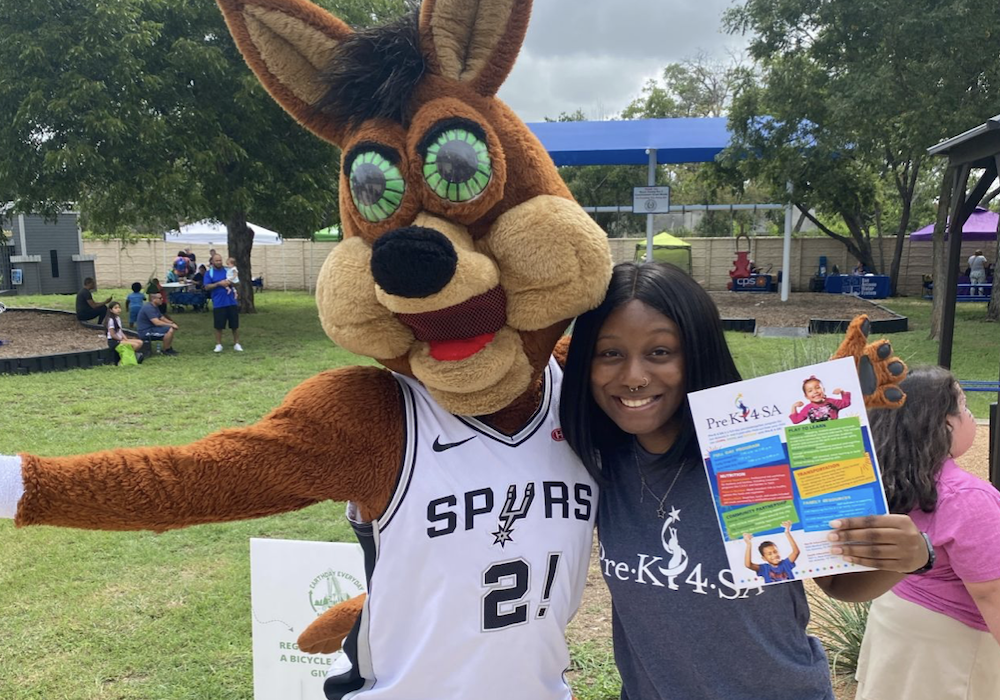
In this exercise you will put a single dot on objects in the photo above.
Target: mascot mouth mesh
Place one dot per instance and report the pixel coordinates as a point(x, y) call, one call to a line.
point(459, 331)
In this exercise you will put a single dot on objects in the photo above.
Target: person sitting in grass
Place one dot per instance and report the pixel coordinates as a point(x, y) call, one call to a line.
point(116, 336)
point(773, 568)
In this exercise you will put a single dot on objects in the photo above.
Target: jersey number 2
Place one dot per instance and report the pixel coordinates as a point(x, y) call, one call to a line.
point(508, 583)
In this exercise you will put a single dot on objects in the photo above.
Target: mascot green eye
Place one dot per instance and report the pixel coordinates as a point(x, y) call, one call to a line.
point(377, 186)
point(457, 165)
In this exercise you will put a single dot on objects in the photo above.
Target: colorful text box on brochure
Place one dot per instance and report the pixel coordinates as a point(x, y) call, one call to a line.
point(834, 476)
point(737, 488)
point(758, 518)
point(750, 454)
point(829, 441)
point(819, 511)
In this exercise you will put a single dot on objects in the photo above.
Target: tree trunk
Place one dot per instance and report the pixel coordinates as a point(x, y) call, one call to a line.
point(939, 253)
point(857, 243)
point(861, 247)
point(881, 240)
point(993, 310)
point(897, 251)
point(906, 186)
point(240, 242)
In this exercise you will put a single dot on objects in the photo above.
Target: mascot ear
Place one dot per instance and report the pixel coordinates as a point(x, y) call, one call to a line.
point(473, 42)
point(288, 44)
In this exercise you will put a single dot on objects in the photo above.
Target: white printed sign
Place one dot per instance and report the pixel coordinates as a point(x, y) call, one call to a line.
point(291, 583)
point(650, 200)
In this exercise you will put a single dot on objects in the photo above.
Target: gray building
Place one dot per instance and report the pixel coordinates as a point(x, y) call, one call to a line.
point(46, 255)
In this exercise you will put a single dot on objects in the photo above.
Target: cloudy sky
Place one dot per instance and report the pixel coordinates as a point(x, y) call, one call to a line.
point(595, 55)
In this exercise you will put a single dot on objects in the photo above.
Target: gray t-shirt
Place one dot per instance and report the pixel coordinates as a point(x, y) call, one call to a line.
point(977, 265)
point(682, 629)
point(144, 322)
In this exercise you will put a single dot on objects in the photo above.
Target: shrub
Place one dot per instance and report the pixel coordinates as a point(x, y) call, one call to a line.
point(841, 627)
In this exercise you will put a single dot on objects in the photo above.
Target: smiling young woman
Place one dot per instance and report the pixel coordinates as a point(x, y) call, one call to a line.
point(683, 628)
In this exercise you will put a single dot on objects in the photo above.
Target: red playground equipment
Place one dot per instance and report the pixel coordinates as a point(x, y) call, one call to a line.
point(741, 265)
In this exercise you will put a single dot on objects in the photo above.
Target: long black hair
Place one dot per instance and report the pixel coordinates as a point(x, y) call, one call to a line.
point(117, 321)
point(707, 361)
point(913, 441)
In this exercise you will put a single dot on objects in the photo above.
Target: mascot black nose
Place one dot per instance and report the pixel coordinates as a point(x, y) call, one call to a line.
point(413, 262)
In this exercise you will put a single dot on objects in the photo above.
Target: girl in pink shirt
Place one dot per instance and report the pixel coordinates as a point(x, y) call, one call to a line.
point(936, 635)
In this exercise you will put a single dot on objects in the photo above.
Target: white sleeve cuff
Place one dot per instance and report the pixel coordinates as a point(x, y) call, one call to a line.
point(11, 485)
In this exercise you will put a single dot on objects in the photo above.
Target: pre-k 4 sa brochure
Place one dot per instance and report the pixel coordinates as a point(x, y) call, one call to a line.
point(785, 454)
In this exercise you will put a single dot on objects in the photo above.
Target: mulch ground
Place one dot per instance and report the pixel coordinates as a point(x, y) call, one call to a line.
point(26, 333)
point(769, 310)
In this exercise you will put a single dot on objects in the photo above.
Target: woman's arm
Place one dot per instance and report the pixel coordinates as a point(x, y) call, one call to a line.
point(890, 543)
point(859, 587)
point(986, 595)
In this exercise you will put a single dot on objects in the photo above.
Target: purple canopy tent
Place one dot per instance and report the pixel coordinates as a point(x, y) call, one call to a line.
point(981, 226)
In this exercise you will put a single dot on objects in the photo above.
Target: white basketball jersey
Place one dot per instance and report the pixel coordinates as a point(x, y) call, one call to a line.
point(479, 562)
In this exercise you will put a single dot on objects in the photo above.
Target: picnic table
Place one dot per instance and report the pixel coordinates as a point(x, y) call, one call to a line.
point(182, 294)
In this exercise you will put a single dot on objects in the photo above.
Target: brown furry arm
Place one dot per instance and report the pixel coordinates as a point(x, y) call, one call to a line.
point(879, 371)
point(561, 350)
point(337, 436)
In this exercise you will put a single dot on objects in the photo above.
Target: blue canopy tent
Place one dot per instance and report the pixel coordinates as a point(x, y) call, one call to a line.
point(646, 141)
point(682, 140)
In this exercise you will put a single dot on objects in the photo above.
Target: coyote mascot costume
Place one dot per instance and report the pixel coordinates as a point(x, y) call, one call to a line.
point(464, 259)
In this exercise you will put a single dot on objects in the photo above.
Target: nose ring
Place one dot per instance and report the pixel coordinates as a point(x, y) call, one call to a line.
point(645, 383)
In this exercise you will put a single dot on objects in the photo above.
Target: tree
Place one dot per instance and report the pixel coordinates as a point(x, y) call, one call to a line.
point(851, 94)
point(697, 87)
point(144, 111)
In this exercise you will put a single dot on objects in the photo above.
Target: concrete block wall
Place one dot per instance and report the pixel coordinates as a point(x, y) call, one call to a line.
point(296, 263)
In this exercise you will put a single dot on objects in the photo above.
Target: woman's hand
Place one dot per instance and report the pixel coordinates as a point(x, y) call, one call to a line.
point(888, 542)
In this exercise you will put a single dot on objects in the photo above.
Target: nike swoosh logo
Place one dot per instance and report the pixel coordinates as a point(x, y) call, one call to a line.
point(441, 447)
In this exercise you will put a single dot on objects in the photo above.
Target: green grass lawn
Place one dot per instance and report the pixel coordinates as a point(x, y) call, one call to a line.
point(92, 615)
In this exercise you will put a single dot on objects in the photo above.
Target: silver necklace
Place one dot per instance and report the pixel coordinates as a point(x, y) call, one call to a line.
point(661, 512)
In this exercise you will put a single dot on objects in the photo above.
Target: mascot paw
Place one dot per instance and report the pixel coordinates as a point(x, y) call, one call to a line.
point(879, 370)
point(326, 633)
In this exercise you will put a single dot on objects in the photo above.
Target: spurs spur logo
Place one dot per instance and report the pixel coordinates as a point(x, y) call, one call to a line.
point(510, 515)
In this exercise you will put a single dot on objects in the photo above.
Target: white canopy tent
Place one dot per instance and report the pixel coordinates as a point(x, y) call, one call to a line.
point(213, 233)
point(210, 232)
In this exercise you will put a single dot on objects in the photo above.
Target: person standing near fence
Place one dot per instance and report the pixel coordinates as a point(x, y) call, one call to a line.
point(977, 273)
point(224, 305)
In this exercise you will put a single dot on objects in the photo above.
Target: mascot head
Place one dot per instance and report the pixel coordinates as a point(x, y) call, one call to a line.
point(464, 255)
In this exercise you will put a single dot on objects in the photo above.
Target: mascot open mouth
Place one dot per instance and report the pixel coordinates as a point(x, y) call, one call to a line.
point(460, 331)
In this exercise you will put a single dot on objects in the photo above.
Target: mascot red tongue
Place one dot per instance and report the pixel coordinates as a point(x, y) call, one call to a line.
point(455, 350)
point(464, 259)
